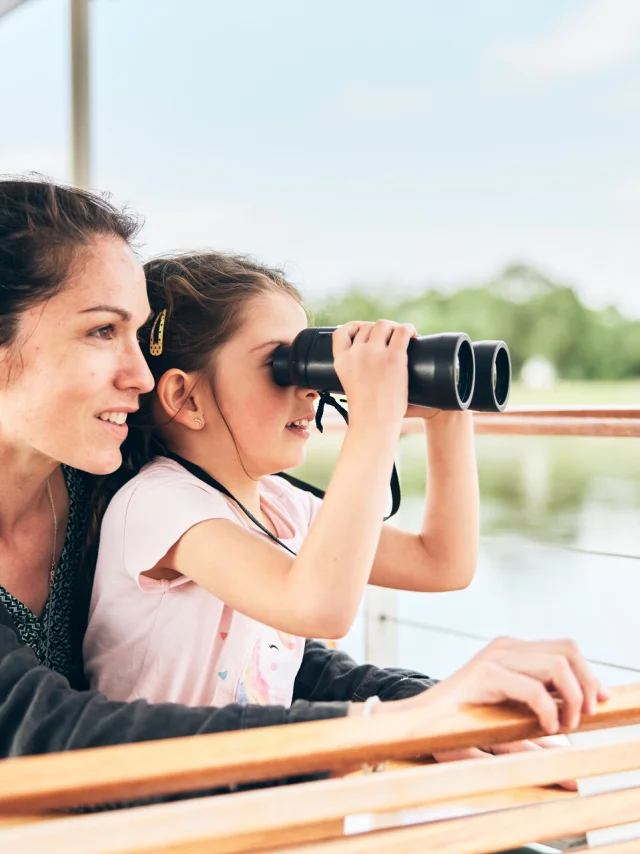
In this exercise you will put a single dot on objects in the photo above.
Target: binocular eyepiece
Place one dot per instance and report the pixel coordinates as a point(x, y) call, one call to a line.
point(446, 371)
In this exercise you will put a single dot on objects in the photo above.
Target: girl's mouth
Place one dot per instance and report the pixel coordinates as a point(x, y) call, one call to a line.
point(299, 428)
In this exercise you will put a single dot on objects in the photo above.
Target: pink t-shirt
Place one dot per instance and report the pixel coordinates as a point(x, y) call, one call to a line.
point(173, 640)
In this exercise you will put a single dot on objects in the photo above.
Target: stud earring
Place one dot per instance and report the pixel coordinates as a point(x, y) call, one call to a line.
point(197, 421)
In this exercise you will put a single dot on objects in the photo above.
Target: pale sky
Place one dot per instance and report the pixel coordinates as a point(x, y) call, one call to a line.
point(405, 143)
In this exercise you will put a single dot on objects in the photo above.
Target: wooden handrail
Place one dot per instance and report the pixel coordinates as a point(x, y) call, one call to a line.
point(596, 421)
point(242, 822)
point(488, 832)
point(124, 772)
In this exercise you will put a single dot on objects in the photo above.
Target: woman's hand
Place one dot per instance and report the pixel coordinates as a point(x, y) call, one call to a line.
point(371, 362)
point(524, 671)
point(547, 741)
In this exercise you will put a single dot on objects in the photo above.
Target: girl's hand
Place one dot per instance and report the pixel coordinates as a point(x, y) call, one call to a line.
point(524, 671)
point(371, 362)
point(424, 412)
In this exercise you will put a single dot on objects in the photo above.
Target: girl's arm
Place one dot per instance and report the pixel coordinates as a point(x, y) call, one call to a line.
point(318, 592)
point(443, 555)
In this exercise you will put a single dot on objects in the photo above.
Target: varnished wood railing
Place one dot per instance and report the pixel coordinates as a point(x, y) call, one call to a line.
point(187, 764)
point(620, 421)
point(309, 817)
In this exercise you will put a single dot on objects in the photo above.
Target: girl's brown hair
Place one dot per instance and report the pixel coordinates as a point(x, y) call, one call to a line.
point(205, 296)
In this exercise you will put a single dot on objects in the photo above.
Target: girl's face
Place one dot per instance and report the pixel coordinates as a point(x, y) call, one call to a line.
point(76, 369)
point(259, 413)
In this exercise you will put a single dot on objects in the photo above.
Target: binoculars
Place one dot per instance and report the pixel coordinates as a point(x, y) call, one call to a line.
point(446, 371)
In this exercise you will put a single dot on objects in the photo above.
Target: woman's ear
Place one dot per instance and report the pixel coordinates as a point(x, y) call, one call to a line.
point(178, 395)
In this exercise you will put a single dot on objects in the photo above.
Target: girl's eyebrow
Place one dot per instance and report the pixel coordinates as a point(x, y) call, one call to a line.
point(267, 344)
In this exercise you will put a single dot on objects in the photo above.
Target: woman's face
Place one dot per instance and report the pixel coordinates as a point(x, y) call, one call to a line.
point(75, 369)
point(259, 413)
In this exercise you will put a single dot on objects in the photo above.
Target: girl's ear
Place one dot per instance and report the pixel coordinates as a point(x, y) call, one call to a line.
point(177, 393)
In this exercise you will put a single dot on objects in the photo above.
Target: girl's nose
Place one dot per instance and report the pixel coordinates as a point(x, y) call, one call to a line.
point(307, 394)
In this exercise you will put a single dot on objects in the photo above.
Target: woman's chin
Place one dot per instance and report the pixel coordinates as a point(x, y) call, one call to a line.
point(99, 464)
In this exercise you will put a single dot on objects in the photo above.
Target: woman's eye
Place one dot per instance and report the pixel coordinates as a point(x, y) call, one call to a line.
point(105, 333)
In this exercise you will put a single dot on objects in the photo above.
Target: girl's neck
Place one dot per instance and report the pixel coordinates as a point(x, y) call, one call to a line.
point(231, 475)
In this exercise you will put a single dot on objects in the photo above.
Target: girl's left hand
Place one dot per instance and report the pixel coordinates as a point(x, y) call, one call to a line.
point(511, 747)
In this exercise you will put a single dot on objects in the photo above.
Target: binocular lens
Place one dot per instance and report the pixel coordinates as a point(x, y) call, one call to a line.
point(465, 372)
point(502, 374)
point(493, 376)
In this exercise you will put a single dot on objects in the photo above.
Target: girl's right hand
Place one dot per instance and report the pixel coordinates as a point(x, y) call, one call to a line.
point(524, 671)
point(371, 362)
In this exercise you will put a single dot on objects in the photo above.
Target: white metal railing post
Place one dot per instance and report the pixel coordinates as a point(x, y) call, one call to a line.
point(80, 97)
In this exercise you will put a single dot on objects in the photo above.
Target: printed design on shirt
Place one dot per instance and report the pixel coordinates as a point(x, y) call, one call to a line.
point(289, 641)
point(267, 669)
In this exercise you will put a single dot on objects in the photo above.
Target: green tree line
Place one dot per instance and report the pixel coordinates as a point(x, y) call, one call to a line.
point(534, 315)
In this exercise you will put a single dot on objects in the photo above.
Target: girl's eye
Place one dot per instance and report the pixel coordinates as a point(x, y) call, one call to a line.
point(105, 333)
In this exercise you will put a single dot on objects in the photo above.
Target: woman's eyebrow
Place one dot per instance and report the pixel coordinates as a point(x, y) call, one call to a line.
point(114, 309)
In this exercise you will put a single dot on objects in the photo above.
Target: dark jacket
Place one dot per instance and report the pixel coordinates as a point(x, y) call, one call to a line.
point(41, 713)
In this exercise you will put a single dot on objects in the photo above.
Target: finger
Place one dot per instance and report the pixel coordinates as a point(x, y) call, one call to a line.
point(382, 331)
point(463, 753)
point(363, 334)
point(516, 746)
point(551, 669)
point(552, 741)
point(589, 682)
point(547, 741)
point(555, 741)
point(526, 689)
point(400, 337)
point(411, 328)
point(343, 336)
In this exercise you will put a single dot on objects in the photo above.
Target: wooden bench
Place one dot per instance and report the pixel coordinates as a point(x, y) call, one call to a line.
point(310, 817)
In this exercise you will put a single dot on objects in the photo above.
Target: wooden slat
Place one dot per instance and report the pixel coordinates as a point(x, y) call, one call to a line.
point(576, 411)
point(630, 847)
point(244, 821)
point(483, 834)
point(595, 421)
point(34, 783)
point(525, 425)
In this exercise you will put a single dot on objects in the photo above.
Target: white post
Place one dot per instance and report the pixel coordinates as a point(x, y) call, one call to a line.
point(80, 106)
point(381, 640)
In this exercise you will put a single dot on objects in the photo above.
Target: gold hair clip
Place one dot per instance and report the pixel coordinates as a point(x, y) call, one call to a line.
point(155, 347)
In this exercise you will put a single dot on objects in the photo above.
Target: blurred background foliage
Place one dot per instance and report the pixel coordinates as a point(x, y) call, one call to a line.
point(537, 317)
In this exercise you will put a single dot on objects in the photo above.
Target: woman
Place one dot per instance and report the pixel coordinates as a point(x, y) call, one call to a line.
point(72, 299)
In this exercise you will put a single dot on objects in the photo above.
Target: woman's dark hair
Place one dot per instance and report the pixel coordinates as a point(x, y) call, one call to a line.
point(205, 296)
point(43, 226)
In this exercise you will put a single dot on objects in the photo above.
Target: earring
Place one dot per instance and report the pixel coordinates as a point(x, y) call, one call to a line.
point(197, 421)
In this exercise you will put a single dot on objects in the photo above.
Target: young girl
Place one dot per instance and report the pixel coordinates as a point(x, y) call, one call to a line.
point(193, 602)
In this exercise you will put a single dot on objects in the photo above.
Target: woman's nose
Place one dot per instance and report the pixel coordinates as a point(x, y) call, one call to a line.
point(136, 371)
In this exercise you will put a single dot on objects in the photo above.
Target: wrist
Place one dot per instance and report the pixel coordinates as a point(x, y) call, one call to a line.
point(378, 429)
